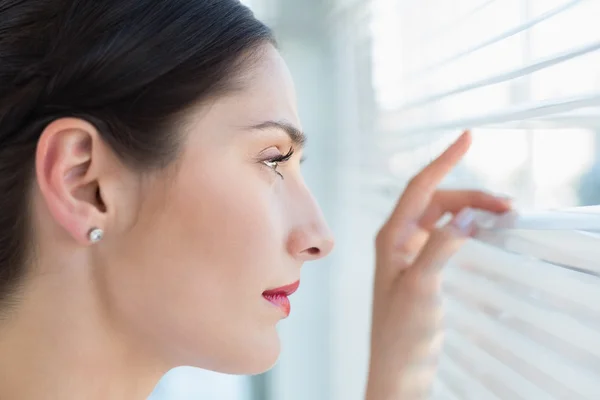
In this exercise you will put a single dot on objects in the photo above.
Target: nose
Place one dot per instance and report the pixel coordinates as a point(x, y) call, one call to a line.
point(311, 239)
point(311, 243)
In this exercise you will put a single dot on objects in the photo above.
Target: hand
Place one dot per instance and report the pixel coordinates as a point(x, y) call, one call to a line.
point(406, 334)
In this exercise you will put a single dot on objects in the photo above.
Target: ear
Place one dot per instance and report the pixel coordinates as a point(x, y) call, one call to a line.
point(68, 177)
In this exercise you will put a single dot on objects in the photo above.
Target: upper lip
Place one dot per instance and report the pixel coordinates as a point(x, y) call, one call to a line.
point(286, 290)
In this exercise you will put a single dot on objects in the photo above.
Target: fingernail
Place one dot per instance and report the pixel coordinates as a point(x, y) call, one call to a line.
point(464, 220)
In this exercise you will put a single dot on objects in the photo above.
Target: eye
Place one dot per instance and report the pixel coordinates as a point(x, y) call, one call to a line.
point(273, 163)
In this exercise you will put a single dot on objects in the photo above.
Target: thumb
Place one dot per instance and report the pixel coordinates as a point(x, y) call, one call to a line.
point(444, 242)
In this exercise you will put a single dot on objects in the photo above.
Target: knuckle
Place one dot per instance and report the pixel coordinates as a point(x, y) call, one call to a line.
point(382, 238)
point(418, 182)
point(444, 237)
point(443, 243)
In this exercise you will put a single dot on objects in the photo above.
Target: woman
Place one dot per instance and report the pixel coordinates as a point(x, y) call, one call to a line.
point(153, 212)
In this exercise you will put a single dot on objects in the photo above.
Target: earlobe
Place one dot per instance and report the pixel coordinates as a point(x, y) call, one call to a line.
point(95, 235)
point(67, 180)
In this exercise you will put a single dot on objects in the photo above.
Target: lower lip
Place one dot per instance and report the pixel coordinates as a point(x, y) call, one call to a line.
point(280, 300)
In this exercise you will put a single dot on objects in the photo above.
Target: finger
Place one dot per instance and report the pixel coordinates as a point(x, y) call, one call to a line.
point(453, 201)
point(445, 242)
point(413, 242)
point(421, 188)
point(443, 202)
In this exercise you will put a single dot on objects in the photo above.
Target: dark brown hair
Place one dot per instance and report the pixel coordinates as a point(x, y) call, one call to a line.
point(130, 67)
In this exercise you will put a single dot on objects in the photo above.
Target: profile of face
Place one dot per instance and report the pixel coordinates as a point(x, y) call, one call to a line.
point(190, 252)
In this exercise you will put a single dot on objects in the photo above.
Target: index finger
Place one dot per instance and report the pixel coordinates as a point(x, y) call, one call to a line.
point(418, 193)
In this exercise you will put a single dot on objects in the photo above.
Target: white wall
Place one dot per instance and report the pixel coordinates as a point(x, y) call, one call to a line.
point(325, 341)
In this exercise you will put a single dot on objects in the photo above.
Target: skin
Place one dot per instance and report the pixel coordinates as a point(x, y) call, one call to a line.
point(411, 253)
point(189, 250)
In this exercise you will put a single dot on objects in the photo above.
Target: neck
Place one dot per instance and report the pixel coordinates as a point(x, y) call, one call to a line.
point(57, 344)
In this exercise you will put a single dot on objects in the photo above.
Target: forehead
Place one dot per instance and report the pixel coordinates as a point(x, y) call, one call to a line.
point(266, 93)
point(269, 88)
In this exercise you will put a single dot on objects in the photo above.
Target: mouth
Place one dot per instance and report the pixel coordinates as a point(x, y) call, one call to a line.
point(279, 296)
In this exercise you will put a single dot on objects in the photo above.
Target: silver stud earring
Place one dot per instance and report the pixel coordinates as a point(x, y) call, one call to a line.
point(95, 235)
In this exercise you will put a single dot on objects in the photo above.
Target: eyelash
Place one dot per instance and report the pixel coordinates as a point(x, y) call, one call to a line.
point(273, 163)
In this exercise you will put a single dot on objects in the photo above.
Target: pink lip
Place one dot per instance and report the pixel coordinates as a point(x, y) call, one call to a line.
point(279, 296)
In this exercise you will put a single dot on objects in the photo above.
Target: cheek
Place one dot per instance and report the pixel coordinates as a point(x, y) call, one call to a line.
point(232, 221)
point(200, 258)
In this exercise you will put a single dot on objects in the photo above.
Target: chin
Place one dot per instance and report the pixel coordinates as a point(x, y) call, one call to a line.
point(247, 358)
point(258, 359)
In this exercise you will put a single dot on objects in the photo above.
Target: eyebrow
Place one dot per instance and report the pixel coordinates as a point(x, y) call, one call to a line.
point(296, 135)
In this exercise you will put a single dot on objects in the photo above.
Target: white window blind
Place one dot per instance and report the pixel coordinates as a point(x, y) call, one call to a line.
point(523, 306)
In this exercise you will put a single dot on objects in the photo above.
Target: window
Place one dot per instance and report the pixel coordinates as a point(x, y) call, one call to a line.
point(523, 306)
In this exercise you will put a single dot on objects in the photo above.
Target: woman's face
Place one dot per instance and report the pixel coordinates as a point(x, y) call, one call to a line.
point(226, 224)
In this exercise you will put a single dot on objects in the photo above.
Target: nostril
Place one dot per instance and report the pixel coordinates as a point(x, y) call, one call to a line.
point(313, 251)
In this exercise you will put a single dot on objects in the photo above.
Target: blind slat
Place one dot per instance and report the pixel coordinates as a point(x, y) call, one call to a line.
point(503, 36)
point(544, 367)
point(465, 17)
point(461, 382)
point(503, 381)
point(566, 334)
point(506, 76)
point(575, 250)
point(389, 123)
